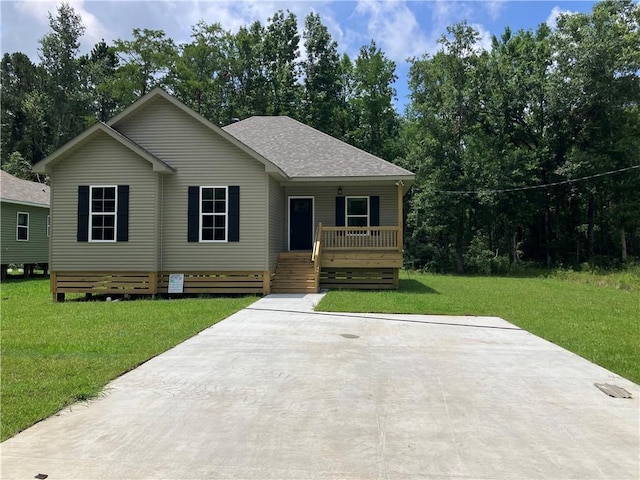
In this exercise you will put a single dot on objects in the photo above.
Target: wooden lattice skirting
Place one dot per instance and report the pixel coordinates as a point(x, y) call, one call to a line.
point(359, 278)
point(220, 282)
point(148, 283)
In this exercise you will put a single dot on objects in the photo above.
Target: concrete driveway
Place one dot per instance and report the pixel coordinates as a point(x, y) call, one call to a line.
point(277, 391)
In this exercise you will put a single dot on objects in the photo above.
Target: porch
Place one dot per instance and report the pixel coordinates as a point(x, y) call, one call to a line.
point(343, 257)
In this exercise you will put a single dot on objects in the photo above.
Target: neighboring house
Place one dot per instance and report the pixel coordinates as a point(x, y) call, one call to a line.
point(265, 204)
point(24, 210)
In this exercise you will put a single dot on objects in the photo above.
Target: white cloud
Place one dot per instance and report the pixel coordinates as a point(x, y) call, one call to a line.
point(232, 15)
point(552, 19)
point(394, 27)
point(494, 7)
point(485, 37)
point(40, 9)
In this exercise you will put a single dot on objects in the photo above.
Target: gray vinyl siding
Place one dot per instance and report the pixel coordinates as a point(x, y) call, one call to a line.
point(36, 249)
point(277, 224)
point(104, 161)
point(325, 203)
point(201, 158)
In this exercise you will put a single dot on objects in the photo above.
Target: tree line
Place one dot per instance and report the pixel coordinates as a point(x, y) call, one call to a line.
point(525, 153)
point(222, 75)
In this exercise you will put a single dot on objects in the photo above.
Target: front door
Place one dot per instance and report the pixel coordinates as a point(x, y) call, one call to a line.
point(300, 223)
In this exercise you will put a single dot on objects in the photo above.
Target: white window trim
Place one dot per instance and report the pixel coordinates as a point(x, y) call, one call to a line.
point(346, 214)
point(18, 226)
point(115, 214)
point(48, 226)
point(226, 214)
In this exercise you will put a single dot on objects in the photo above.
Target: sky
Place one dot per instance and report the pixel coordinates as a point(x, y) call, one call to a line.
point(401, 28)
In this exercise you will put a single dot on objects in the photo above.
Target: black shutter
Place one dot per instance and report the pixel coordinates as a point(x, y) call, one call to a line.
point(123, 214)
point(340, 213)
point(374, 215)
point(193, 214)
point(83, 213)
point(234, 214)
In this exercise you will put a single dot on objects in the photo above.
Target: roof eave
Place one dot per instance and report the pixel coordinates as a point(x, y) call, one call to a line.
point(27, 204)
point(406, 181)
point(363, 178)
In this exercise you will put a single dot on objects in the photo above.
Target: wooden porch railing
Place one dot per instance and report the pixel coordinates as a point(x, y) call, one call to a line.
point(316, 254)
point(359, 238)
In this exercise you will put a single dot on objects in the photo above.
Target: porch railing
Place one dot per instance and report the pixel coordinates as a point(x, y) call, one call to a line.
point(358, 238)
point(316, 254)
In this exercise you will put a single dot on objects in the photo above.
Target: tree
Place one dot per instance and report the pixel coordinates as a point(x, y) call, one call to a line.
point(249, 91)
point(280, 56)
point(513, 142)
point(146, 62)
point(19, 78)
point(20, 167)
point(345, 118)
point(372, 102)
point(101, 66)
point(598, 59)
point(64, 76)
point(444, 103)
point(321, 76)
point(200, 72)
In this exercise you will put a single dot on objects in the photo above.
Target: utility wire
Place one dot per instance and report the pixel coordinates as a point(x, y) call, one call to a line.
point(534, 187)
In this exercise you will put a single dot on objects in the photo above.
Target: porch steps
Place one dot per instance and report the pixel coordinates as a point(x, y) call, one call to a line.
point(294, 274)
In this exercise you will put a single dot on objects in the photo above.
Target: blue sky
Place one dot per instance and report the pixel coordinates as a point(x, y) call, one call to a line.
point(401, 28)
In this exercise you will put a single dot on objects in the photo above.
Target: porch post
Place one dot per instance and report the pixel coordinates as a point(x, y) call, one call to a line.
point(400, 186)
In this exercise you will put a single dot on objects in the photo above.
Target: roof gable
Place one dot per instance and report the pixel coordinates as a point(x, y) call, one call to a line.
point(158, 92)
point(17, 190)
point(43, 165)
point(303, 152)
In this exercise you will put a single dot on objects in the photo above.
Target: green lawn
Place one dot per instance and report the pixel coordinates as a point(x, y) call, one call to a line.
point(600, 323)
point(54, 354)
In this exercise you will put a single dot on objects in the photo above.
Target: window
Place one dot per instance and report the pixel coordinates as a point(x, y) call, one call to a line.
point(22, 227)
point(102, 213)
point(213, 214)
point(357, 211)
point(48, 225)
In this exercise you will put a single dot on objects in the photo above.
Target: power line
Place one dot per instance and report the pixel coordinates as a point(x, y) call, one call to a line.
point(534, 187)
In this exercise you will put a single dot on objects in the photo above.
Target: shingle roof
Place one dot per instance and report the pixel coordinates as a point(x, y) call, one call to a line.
point(14, 189)
point(303, 151)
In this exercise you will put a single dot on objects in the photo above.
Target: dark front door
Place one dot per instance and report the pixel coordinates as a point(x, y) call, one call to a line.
point(300, 223)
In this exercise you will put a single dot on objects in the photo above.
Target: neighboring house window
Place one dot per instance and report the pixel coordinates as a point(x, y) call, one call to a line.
point(213, 214)
point(103, 213)
point(357, 213)
point(48, 225)
point(22, 227)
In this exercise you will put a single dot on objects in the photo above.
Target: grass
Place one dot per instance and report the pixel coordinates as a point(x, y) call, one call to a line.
point(599, 323)
point(627, 279)
point(54, 354)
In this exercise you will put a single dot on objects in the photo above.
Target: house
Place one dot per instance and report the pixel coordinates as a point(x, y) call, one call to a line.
point(158, 199)
point(24, 234)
